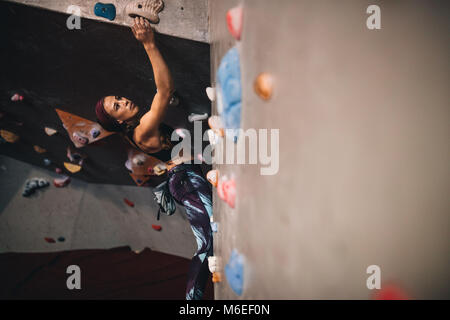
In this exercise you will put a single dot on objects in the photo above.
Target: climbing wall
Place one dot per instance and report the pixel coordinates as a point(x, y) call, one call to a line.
point(363, 173)
point(45, 66)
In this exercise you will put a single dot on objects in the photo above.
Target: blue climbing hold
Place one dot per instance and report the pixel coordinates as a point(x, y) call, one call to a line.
point(234, 272)
point(229, 83)
point(214, 227)
point(95, 132)
point(47, 162)
point(105, 10)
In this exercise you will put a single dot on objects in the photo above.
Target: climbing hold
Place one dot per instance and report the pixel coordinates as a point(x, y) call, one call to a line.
point(148, 9)
point(226, 190)
point(75, 157)
point(150, 171)
point(213, 264)
point(390, 292)
point(9, 136)
point(105, 10)
point(73, 168)
point(61, 239)
point(213, 137)
point(61, 182)
point(212, 176)
point(174, 101)
point(230, 191)
point(95, 132)
point(39, 149)
point(156, 227)
point(128, 165)
point(234, 21)
point(139, 160)
point(47, 162)
point(234, 272)
point(180, 132)
point(16, 97)
point(50, 131)
point(211, 93)
point(263, 85)
point(159, 169)
point(216, 124)
point(80, 138)
point(229, 91)
point(50, 240)
point(216, 277)
point(128, 202)
point(200, 157)
point(58, 170)
point(197, 117)
point(33, 184)
point(214, 227)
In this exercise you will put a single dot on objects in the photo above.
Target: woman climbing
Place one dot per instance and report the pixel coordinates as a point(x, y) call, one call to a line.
point(151, 136)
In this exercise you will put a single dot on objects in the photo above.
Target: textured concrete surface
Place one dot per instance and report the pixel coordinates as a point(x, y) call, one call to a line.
point(180, 18)
point(364, 154)
point(88, 216)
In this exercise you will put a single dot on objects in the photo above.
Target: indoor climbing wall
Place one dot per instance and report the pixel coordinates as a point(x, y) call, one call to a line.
point(179, 18)
point(362, 119)
point(53, 76)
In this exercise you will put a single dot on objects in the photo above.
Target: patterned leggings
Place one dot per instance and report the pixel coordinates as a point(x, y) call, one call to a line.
point(190, 189)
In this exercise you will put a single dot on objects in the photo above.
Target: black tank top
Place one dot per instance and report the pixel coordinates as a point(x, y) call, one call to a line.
point(165, 153)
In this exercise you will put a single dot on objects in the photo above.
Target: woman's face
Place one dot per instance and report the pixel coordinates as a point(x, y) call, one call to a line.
point(120, 108)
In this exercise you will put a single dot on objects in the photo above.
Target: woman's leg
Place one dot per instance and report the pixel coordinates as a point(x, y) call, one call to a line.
point(195, 195)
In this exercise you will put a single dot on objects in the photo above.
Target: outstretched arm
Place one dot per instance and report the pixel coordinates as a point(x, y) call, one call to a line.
point(164, 83)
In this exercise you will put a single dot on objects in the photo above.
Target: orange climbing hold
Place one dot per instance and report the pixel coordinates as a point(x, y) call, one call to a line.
point(263, 85)
point(234, 21)
point(39, 149)
point(216, 277)
point(9, 136)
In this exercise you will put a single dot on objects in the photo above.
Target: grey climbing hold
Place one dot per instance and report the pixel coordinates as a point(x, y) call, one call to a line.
point(197, 117)
point(148, 9)
point(33, 184)
point(47, 162)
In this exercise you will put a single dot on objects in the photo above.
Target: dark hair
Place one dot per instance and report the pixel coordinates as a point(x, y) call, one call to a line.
point(104, 119)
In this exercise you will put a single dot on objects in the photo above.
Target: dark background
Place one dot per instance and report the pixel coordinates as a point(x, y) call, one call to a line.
point(54, 67)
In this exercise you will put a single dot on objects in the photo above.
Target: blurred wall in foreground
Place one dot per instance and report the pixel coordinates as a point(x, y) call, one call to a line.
point(364, 149)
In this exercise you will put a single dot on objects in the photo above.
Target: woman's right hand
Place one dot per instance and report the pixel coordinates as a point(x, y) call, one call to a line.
point(143, 31)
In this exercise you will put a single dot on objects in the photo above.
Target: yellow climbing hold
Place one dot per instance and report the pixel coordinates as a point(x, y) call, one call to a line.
point(74, 168)
point(9, 136)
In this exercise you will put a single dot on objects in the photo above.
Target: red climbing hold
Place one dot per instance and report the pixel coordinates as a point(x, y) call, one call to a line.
point(50, 240)
point(391, 292)
point(128, 202)
point(58, 170)
point(234, 21)
point(61, 182)
point(156, 227)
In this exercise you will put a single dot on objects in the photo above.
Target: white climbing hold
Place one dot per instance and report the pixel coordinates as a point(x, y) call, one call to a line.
point(197, 117)
point(211, 93)
point(214, 264)
point(50, 131)
point(139, 160)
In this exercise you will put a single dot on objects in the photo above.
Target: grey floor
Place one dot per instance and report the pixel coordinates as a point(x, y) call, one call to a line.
point(86, 215)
